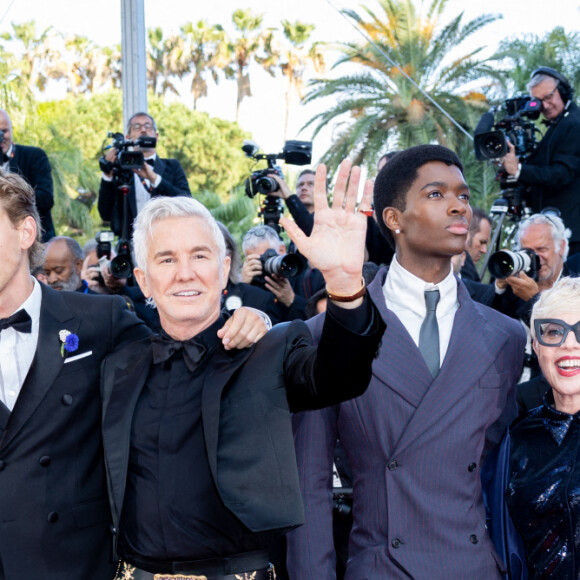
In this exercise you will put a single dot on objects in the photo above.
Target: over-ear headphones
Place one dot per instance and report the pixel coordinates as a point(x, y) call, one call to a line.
point(564, 87)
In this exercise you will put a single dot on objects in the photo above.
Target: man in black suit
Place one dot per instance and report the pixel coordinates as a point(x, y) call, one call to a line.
point(55, 521)
point(198, 441)
point(552, 171)
point(32, 164)
point(157, 177)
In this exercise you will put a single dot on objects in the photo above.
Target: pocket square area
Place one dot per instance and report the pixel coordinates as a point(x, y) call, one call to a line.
point(77, 356)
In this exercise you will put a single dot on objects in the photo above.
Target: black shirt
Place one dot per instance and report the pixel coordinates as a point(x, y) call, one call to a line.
point(172, 510)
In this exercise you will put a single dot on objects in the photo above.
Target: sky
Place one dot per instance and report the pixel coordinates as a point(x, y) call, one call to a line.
point(263, 114)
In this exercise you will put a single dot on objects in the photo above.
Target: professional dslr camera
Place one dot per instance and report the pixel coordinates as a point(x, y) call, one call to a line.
point(287, 266)
point(293, 153)
point(127, 159)
point(121, 266)
point(506, 263)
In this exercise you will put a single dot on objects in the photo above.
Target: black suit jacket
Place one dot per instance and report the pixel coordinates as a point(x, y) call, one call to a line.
point(246, 401)
point(32, 164)
point(173, 183)
point(55, 522)
point(553, 170)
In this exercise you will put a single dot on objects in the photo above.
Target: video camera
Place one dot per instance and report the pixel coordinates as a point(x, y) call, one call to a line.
point(127, 159)
point(491, 137)
point(293, 153)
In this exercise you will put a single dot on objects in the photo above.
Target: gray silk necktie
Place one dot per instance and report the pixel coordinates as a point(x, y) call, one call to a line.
point(429, 333)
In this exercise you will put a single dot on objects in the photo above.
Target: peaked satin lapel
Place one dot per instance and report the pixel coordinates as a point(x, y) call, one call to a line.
point(223, 364)
point(123, 379)
point(47, 363)
point(400, 366)
point(472, 348)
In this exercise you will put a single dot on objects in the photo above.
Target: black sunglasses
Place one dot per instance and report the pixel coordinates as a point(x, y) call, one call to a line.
point(553, 331)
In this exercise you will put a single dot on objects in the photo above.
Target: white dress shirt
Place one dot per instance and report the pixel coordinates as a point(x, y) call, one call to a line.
point(405, 296)
point(17, 350)
point(6, 165)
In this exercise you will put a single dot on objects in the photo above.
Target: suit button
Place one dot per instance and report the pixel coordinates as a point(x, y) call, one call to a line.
point(67, 400)
point(473, 539)
point(44, 461)
point(2, 465)
point(393, 465)
point(52, 517)
point(471, 467)
point(113, 530)
point(396, 543)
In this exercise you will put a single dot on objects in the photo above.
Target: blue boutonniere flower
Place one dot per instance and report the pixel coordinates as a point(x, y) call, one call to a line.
point(70, 342)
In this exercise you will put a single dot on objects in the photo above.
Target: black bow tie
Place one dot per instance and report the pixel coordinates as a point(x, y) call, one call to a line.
point(164, 347)
point(20, 321)
point(150, 161)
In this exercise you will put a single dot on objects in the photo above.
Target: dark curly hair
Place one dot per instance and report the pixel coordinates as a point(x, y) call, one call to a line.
point(397, 176)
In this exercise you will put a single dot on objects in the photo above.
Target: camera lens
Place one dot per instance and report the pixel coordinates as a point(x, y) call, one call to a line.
point(121, 266)
point(504, 263)
point(289, 265)
point(267, 184)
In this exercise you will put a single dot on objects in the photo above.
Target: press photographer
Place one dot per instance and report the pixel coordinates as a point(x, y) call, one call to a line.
point(551, 173)
point(154, 177)
point(268, 266)
point(541, 249)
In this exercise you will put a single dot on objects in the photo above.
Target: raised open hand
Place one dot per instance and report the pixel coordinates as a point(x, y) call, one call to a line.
point(336, 244)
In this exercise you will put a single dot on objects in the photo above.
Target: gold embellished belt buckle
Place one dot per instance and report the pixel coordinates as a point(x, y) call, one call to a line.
point(179, 577)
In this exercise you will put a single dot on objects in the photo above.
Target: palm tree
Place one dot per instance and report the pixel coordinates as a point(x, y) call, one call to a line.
point(377, 104)
point(206, 52)
point(243, 50)
point(558, 49)
point(166, 59)
point(295, 57)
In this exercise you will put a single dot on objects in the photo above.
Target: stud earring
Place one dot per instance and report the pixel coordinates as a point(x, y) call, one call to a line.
point(397, 231)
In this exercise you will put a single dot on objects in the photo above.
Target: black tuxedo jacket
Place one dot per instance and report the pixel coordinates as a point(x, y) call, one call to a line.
point(55, 522)
point(246, 401)
point(173, 183)
point(32, 164)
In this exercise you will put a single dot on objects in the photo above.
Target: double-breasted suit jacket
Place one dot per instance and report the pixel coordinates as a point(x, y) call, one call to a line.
point(246, 400)
point(54, 517)
point(416, 445)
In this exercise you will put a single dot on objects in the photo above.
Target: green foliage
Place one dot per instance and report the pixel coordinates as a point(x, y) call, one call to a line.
point(376, 104)
point(557, 49)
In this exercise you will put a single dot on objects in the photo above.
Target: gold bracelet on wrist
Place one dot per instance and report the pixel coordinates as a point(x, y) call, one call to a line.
point(350, 298)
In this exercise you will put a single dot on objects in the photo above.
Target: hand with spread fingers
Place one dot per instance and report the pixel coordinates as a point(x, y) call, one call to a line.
point(337, 242)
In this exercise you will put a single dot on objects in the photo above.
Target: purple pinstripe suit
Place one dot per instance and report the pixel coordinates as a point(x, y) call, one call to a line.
point(415, 445)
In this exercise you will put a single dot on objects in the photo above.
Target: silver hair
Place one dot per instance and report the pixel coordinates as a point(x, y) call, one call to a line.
point(539, 78)
point(160, 208)
point(141, 114)
point(564, 295)
point(559, 230)
point(259, 234)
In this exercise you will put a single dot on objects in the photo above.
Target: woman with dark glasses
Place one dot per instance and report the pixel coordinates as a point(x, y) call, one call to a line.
point(543, 494)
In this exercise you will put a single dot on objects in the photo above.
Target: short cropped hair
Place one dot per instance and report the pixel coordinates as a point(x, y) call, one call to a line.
point(73, 246)
point(259, 234)
point(562, 296)
point(160, 208)
point(19, 202)
point(478, 215)
point(539, 78)
point(306, 172)
point(396, 177)
point(558, 229)
point(141, 114)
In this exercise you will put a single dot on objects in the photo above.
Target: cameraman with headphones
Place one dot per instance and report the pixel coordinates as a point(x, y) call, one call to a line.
point(552, 172)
